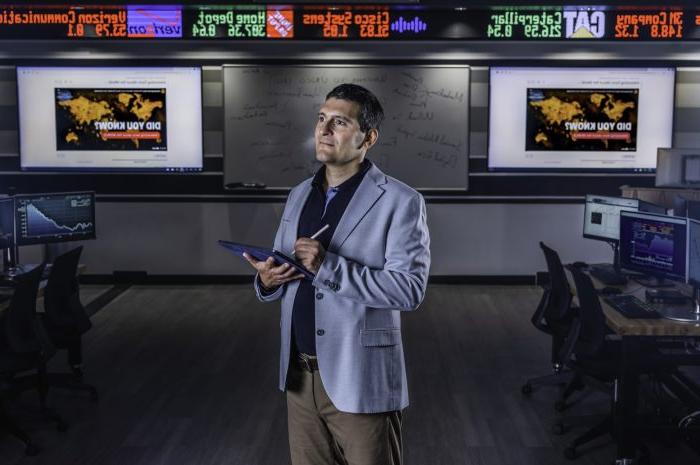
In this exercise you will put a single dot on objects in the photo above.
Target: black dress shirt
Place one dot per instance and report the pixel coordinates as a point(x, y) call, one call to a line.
point(320, 209)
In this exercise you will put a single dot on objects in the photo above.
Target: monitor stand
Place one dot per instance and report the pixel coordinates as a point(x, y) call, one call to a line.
point(611, 271)
point(10, 257)
point(50, 252)
point(685, 313)
point(652, 281)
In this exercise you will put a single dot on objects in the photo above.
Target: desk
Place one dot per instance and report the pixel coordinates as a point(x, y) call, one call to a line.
point(634, 333)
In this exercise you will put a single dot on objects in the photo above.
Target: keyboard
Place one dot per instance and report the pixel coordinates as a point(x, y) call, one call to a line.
point(608, 276)
point(631, 307)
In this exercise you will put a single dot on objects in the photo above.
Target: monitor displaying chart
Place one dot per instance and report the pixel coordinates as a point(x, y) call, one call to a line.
point(44, 218)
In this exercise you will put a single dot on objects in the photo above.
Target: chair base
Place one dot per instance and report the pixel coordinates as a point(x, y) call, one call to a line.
point(560, 378)
point(72, 382)
point(9, 424)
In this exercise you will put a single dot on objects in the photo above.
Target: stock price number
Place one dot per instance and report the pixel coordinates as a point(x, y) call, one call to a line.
point(666, 31)
point(542, 31)
point(499, 30)
point(202, 30)
point(374, 31)
point(110, 30)
point(335, 31)
point(246, 30)
point(626, 31)
point(76, 30)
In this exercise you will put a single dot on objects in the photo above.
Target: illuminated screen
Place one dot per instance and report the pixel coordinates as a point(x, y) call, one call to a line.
point(90, 22)
point(110, 118)
point(44, 218)
point(579, 118)
point(602, 216)
point(653, 244)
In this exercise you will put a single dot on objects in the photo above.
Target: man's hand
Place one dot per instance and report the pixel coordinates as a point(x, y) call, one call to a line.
point(310, 253)
point(271, 275)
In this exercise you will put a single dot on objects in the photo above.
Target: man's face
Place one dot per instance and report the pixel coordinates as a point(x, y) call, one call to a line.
point(339, 139)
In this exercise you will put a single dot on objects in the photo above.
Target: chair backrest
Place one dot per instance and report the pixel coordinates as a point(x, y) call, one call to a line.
point(62, 294)
point(591, 337)
point(20, 317)
point(559, 302)
point(63, 279)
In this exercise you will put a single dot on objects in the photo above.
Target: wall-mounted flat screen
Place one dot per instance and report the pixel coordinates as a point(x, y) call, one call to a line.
point(589, 119)
point(80, 118)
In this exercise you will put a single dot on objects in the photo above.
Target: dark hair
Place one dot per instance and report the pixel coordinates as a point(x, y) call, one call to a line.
point(371, 112)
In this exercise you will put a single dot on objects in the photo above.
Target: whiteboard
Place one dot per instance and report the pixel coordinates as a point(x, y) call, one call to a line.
point(270, 114)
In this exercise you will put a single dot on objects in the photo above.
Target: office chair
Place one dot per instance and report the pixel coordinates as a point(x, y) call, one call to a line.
point(24, 346)
point(554, 315)
point(66, 321)
point(595, 358)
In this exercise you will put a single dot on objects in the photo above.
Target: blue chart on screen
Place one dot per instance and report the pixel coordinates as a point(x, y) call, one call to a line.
point(653, 245)
point(56, 217)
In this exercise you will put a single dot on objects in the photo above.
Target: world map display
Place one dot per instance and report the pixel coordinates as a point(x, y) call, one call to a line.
point(110, 119)
point(582, 119)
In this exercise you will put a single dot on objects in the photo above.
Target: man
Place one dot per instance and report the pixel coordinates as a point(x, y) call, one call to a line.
point(342, 362)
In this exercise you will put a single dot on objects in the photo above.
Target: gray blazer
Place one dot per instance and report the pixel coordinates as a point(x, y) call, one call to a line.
point(375, 267)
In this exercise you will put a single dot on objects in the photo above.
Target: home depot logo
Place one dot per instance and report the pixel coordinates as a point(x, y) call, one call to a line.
point(280, 24)
point(584, 24)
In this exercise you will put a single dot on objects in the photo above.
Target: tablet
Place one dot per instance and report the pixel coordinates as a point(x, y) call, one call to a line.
point(262, 253)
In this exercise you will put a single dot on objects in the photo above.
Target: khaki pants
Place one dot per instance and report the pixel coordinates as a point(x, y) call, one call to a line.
point(320, 434)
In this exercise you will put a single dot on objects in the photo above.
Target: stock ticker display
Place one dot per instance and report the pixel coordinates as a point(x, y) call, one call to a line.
point(357, 22)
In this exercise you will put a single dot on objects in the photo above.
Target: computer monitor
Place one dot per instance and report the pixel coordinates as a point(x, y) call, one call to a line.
point(680, 206)
point(693, 249)
point(677, 167)
point(602, 215)
point(601, 218)
point(654, 245)
point(7, 232)
point(686, 207)
point(692, 275)
point(7, 222)
point(54, 217)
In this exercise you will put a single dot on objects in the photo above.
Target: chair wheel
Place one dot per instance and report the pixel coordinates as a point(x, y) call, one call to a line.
point(558, 429)
point(526, 389)
point(570, 453)
point(31, 450)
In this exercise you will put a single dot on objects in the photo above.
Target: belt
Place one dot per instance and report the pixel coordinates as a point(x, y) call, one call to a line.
point(307, 362)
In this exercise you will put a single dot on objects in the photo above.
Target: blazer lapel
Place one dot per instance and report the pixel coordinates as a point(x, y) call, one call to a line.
point(366, 195)
point(294, 215)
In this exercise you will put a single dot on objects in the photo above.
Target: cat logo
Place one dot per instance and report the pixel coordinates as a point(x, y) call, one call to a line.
point(584, 24)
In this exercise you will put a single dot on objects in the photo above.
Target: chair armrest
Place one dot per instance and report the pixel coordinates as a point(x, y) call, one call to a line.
point(538, 317)
point(570, 342)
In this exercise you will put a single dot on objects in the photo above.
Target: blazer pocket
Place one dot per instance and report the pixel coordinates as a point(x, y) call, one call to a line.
point(383, 337)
